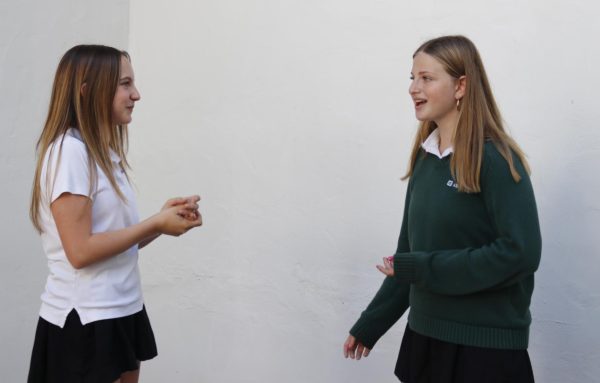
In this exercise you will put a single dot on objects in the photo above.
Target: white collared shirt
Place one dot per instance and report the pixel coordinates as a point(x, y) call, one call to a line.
point(432, 145)
point(107, 289)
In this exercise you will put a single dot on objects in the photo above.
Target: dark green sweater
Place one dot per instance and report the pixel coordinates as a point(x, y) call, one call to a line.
point(465, 261)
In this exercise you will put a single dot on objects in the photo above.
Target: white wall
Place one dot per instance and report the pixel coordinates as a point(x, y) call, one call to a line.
point(33, 37)
point(292, 120)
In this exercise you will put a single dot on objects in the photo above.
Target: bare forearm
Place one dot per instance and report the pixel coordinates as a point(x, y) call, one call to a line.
point(100, 246)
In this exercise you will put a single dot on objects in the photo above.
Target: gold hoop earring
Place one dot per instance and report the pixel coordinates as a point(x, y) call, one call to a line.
point(458, 104)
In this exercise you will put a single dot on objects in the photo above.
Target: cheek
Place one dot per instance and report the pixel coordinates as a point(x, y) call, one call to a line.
point(442, 94)
point(117, 106)
point(119, 100)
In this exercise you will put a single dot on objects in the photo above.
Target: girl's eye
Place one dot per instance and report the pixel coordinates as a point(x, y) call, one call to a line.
point(427, 78)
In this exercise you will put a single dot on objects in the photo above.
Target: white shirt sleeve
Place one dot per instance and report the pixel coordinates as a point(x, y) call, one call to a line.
point(71, 174)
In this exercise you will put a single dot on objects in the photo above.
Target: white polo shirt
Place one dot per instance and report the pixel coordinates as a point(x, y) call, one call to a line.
point(107, 289)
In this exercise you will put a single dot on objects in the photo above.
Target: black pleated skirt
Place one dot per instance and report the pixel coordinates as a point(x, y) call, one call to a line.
point(426, 360)
point(98, 352)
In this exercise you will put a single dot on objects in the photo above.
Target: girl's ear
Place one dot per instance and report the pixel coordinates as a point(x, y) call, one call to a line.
point(461, 86)
point(83, 89)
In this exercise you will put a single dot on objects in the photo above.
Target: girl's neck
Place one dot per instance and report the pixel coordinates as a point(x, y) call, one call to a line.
point(446, 128)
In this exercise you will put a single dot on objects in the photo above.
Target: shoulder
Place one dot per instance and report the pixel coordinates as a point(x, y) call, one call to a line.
point(68, 146)
point(491, 154)
point(67, 155)
point(66, 168)
point(494, 159)
point(495, 167)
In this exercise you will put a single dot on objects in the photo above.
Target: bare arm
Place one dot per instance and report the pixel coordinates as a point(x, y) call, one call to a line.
point(147, 241)
point(73, 216)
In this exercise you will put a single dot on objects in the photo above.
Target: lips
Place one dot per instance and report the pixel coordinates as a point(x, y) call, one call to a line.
point(419, 102)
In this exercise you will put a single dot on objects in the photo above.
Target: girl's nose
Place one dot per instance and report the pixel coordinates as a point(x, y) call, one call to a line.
point(136, 94)
point(412, 88)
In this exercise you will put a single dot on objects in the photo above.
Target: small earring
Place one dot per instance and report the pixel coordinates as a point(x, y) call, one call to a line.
point(458, 104)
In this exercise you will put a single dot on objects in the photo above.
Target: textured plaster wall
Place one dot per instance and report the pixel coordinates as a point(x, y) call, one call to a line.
point(292, 120)
point(33, 37)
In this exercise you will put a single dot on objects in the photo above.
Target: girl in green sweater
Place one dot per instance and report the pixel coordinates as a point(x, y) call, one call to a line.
point(470, 239)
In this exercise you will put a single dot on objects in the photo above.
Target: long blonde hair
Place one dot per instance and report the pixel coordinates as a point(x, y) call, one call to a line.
point(82, 96)
point(479, 117)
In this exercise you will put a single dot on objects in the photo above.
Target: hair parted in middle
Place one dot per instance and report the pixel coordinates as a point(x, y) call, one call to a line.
point(479, 117)
point(82, 96)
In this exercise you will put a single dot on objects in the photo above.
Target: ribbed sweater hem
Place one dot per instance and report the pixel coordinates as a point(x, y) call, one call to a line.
point(476, 336)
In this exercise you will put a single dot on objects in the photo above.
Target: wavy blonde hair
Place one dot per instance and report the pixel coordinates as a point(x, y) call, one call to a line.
point(479, 117)
point(82, 96)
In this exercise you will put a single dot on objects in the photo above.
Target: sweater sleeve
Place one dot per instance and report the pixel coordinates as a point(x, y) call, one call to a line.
point(403, 244)
point(513, 255)
point(388, 305)
point(390, 302)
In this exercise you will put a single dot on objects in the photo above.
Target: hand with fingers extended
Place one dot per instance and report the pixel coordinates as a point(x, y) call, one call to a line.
point(178, 215)
point(388, 266)
point(355, 349)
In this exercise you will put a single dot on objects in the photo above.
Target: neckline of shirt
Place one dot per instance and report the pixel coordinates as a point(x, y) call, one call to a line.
point(432, 145)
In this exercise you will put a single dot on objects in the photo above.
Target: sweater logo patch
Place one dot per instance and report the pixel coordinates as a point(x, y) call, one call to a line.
point(452, 184)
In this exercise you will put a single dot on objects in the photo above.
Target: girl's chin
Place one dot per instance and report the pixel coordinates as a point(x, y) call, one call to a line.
point(420, 117)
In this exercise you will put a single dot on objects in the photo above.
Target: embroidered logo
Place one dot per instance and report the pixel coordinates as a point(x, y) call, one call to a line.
point(452, 184)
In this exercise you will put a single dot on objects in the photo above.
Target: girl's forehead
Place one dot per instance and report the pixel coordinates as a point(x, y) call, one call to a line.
point(425, 62)
point(126, 68)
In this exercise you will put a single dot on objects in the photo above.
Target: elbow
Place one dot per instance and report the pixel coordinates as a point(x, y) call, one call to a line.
point(76, 263)
point(534, 264)
point(76, 259)
point(530, 257)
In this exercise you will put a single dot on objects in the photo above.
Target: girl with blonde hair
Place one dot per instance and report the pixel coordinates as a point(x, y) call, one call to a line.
point(470, 239)
point(93, 325)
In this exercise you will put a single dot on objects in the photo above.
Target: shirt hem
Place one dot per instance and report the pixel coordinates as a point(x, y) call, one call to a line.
point(58, 317)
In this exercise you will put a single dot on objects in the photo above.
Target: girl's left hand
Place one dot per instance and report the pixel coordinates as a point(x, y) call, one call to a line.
point(388, 266)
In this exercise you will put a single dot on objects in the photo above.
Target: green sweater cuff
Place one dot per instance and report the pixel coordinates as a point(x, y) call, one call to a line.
point(364, 334)
point(405, 267)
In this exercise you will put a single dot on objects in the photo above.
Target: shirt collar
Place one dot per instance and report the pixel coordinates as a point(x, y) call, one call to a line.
point(432, 145)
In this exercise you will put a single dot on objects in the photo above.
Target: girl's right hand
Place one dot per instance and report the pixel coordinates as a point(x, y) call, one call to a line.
point(171, 222)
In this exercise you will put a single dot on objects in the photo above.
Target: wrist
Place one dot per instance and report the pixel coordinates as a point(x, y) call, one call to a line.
point(405, 267)
point(156, 224)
